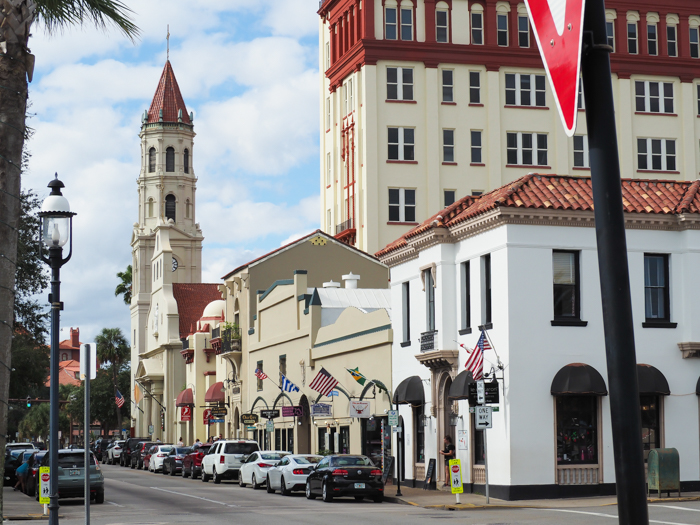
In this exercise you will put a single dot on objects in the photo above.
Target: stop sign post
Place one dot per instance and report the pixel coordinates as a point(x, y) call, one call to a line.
point(560, 27)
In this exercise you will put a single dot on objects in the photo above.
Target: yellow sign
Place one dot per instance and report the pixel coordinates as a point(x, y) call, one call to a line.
point(44, 490)
point(456, 476)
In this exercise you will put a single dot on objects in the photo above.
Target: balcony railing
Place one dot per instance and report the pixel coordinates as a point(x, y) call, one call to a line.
point(347, 225)
point(216, 332)
point(230, 341)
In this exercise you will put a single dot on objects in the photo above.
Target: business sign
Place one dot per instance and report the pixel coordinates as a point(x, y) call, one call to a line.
point(44, 490)
point(456, 476)
point(462, 443)
point(482, 418)
point(185, 413)
point(393, 418)
point(270, 414)
point(321, 410)
point(218, 412)
point(206, 415)
point(295, 411)
point(359, 409)
point(249, 419)
point(213, 421)
point(427, 341)
point(491, 393)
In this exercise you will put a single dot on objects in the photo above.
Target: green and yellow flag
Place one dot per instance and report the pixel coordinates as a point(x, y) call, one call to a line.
point(357, 376)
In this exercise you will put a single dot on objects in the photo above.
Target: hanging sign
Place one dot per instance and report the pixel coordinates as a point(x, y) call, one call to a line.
point(206, 415)
point(393, 418)
point(359, 409)
point(249, 419)
point(295, 411)
point(456, 476)
point(270, 414)
point(491, 393)
point(219, 412)
point(320, 409)
point(185, 413)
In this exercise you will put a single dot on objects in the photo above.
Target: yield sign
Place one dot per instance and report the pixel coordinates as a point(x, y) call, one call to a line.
point(558, 28)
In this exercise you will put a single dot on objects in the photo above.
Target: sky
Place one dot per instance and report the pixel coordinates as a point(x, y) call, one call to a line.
point(249, 73)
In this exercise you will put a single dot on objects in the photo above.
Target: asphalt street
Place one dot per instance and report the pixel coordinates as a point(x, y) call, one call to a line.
point(135, 497)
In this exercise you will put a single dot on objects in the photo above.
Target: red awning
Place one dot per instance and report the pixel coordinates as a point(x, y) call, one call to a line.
point(185, 398)
point(215, 394)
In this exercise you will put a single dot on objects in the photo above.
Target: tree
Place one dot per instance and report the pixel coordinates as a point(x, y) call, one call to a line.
point(35, 424)
point(124, 287)
point(16, 68)
point(113, 349)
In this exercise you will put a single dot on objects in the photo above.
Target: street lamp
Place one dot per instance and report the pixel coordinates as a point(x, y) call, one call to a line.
point(56, 230)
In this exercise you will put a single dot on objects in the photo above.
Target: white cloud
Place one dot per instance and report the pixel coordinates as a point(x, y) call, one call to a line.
point(291, 17)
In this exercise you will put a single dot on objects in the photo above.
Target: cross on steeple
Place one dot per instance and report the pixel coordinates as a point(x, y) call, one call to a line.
point(167, 39)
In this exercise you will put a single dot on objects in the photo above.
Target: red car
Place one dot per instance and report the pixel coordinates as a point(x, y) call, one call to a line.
point(147, 457)
point(192, 464)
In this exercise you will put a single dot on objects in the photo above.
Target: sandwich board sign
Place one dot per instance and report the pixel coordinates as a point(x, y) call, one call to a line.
point(558, 29)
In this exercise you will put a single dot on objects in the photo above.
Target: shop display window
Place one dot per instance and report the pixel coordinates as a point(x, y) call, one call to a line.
point(577, 430)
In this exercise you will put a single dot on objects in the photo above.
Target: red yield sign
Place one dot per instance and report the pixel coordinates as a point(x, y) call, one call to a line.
point(558, 28)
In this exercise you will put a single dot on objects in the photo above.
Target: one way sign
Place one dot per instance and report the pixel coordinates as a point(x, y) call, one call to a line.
point(558, 28)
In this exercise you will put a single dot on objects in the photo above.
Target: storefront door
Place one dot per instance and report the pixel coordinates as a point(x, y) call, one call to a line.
point(376, 438)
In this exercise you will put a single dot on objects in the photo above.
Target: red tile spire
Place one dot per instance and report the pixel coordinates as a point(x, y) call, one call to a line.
point(168, 99)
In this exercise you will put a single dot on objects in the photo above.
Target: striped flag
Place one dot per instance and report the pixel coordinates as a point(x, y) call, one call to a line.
point(475, 363)
point(288, 386)
point(119, 399)
point(323, 383)
point(260, 374)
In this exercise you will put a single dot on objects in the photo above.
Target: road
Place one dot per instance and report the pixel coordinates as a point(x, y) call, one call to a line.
point(135, 497)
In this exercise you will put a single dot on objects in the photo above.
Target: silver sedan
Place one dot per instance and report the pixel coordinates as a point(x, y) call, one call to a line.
point(291, 473)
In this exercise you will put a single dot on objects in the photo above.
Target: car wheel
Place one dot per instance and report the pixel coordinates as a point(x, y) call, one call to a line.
point(283, 487)
point(269, 488)
point(133, 465)
point(173, 471)
point(217, 478)
point(205, 478)
point(309, 494)
point(100, 497)
point(162, 470)
point(254, 482)
point(240, 479)
point(194, 474)
point(184, 473)
point(379, 498)
point(326, 494)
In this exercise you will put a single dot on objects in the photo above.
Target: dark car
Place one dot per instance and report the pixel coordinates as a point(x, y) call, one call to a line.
point(32, 474)
point(138, 454)
point(71, 475)
point(172, 464)
point(345, 475)
point(192, 464)
point(13, 459)
point(99, 447)
point(128, 448)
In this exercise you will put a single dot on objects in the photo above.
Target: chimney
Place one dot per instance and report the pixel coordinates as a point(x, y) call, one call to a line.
point(351, 281)
point(75, 337)
point(331, 284)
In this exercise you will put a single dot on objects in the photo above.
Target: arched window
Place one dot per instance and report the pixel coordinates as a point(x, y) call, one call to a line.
point(170, 206)
point(152, 160)
point(186, 160)
point(150, 207)
point(170, 159)
point(188, 206)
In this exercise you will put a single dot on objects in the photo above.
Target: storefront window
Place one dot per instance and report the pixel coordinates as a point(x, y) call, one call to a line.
point(651, 429)
point(326, 439)
point(344, 440)
point(284, 439)
point(420, 434)
point(577, 429)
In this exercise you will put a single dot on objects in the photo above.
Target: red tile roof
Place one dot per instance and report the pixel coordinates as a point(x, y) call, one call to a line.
point(68, 373)
point(562, 193)
point(191, 300)
point(168, 99)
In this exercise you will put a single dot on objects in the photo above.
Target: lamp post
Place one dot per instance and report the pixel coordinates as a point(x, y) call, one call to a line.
point(56, 230)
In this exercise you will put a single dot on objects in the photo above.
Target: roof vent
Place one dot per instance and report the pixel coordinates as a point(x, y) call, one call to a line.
point(351, 280)
point(331, 284)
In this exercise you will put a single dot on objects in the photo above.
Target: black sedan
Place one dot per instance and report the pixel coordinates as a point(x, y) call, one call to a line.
point(172, 464)
point(345, 475)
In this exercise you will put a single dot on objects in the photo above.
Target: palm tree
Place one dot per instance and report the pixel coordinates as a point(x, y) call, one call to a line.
point(112, 348)
point(124, 287)
point(16, 69)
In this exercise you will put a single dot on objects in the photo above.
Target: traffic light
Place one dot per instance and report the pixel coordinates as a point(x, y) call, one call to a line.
point(29, 402)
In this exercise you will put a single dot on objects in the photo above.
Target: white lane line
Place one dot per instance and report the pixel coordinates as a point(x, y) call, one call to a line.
point(195, 497)
point(115, 504)
point(675, 507)
point(612, 516)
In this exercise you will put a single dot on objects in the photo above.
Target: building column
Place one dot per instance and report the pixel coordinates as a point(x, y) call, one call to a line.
point(661, 36)
point(627, 143)
point(683, 36)
point(433, 139)
point(147, 414)
point(687, 136)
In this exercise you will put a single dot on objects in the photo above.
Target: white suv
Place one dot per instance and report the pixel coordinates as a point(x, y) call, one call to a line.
point(224, 459)
point(114, 452)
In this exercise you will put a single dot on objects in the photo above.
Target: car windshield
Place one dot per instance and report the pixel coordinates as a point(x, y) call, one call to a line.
point(307, 460)
point(273, 455)
point(166, 449)
point(240, 448)
point(351, 461)
point(203, 448)
point(185, 450)
point(76, 460)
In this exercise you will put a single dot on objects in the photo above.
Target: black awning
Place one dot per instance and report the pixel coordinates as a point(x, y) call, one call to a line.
point(578, 379)
point(410, 392)
point(460, 386)
point(651, 381)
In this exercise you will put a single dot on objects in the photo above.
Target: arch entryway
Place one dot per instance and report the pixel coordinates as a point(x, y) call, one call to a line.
point(445, 411)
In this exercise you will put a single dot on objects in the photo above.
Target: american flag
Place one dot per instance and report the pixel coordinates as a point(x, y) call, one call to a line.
point(119, 399)
point(475, 363)
point(323, 383)
point(260, 374)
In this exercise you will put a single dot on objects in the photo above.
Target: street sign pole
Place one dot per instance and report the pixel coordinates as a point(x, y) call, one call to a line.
point(613, 269)
point(86, 433)
point(486, 464)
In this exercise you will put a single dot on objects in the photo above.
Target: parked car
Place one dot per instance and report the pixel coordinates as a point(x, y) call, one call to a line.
point(224, 459)
point(39, 445)
point(13, 460)
point(19, 446)
point(114, 452)
point(173, 461)
point(192, 464)
point(345, 475)
point(128, 448)
point(99, 447)
point(254, 469)
point(71, 475)
point(30, 481)
point(158, 454)
point(138, 454)
point(147, 457)
point(290, 473)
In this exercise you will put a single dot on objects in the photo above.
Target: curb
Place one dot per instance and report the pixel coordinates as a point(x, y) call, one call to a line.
point(26, 517)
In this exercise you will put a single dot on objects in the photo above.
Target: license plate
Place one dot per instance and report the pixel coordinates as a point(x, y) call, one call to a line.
point(359, 485)
point(74, 473)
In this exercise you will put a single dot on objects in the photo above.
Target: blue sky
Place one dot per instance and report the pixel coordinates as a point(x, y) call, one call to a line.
point(248, 71)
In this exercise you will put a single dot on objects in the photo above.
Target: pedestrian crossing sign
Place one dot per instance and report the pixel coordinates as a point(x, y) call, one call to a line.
point(44, 489)
point(456, 476)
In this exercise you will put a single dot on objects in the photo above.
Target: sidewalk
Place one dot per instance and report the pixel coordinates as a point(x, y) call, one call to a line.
point(444, 499)
point(18, 506)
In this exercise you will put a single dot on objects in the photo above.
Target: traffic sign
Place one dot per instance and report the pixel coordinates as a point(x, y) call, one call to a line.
point(393, 418)
point(558, 29)
point(456, 476)
point(480, 392)
point(483, 417)
point(44, 490)
point(270, 425)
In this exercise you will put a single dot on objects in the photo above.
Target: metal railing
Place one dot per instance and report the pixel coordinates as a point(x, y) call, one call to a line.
point(347, 225)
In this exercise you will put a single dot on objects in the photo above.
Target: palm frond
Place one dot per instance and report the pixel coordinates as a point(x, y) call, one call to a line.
point(57, 15)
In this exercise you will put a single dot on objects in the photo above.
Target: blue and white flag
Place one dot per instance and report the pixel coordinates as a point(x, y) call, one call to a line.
point(288, 386)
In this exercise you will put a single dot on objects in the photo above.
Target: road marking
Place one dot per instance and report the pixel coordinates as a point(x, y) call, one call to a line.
point(677, 508)
point(115, 504)
point(612, 516)
point(195, 497)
